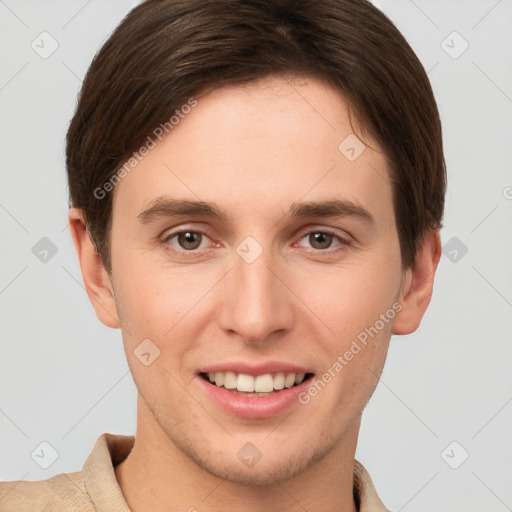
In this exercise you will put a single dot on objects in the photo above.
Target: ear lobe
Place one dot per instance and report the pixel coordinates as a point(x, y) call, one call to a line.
point(96, 279)
point(418, 285)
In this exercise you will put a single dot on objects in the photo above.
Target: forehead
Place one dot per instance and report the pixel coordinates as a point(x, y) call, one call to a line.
point(259, 147)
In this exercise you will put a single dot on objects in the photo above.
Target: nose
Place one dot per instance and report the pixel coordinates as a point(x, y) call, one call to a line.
point(256, 301)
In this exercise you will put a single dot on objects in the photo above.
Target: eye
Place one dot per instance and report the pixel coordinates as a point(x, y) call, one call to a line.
point(187, 240)
point(190, 241)
point(322, 240)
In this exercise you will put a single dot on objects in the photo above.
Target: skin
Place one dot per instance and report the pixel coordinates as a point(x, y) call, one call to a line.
point(253, 150)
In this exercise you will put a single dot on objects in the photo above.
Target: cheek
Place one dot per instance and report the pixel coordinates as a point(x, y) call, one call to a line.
point(149, 300)
point(356, 304)
point(353, 369)
point(165, 306)
point(350, 298)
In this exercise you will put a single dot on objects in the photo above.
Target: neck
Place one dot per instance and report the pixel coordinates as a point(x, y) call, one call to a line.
point(158, 476)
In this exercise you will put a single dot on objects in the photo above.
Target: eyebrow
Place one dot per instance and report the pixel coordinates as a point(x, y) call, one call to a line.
point(164, 207)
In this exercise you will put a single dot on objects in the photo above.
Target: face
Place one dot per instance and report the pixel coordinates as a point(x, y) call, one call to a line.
point(267, 285)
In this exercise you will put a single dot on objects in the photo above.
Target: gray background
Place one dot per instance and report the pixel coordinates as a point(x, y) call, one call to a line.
point(64, 379)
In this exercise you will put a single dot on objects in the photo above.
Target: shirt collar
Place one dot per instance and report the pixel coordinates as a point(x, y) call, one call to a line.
point(111, 449)
point(100, 479)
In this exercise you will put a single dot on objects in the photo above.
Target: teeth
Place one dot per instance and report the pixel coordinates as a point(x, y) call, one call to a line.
point(279, 381)
point(243, 382)
point(290, 380)
point(264, 383)
point(230, 380)
point(261, 384)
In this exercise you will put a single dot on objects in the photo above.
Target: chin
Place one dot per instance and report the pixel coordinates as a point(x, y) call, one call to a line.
point(271, 464)
point(261, 474)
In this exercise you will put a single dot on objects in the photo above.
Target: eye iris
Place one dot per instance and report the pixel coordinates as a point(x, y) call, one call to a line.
point(324, 239)
point(186, 238)
point(191, 240)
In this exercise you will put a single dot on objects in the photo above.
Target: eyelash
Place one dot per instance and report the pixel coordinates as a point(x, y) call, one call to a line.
point(343, 242)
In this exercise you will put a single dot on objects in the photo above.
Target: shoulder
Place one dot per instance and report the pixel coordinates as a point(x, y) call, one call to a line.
point(365, 494)
point(93, 488)
point(65, 491)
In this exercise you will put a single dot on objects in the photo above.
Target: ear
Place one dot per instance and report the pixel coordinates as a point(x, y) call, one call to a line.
point(96, 279)
point(418, 284)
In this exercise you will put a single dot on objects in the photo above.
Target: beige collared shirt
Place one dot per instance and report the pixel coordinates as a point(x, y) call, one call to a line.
point(95, 488)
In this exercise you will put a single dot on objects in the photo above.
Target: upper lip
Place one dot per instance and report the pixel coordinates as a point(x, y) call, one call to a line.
point(254, 369)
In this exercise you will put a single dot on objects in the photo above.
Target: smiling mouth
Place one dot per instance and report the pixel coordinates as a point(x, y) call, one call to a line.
point(260, 385)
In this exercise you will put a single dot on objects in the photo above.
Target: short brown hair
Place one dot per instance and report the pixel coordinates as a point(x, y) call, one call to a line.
point(166, 51)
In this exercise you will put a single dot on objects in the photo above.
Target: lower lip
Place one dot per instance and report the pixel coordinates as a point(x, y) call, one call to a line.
point(253, 407)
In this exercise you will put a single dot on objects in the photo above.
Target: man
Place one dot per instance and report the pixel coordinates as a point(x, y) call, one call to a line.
point(257, 191)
